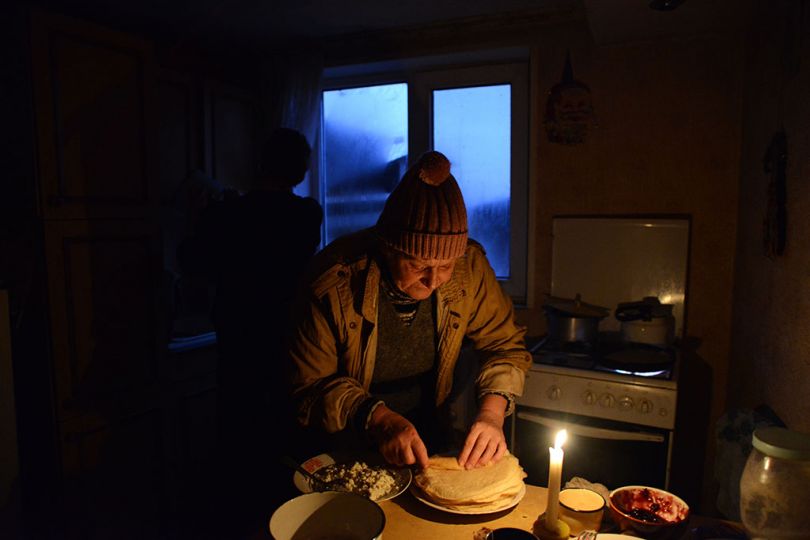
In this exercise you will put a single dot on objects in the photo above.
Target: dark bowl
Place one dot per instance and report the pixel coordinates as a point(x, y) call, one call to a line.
point(510, 533)
point(649, 512)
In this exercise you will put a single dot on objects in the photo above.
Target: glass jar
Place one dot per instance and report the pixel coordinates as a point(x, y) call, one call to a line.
point(775, 485)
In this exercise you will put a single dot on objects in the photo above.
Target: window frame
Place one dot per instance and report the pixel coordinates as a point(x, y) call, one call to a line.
point(422, 77)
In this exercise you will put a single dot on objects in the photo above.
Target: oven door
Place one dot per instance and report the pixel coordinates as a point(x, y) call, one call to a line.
point(611, 453)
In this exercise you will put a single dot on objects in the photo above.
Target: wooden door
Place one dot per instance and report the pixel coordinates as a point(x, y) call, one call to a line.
point(93, 92)
point(135, 422)
point(113, 396)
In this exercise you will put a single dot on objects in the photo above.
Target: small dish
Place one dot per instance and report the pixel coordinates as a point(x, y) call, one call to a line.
point(510, 533)
point(402, 477)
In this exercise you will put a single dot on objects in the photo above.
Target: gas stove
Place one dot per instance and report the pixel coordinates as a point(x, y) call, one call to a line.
point(608, 379)
point(616, 400)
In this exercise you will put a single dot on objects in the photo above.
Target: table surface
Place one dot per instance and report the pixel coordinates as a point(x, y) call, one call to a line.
point(406, 518)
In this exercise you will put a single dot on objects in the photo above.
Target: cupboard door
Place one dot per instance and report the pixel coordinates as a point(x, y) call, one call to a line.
point(106, 315)
point(92, 94)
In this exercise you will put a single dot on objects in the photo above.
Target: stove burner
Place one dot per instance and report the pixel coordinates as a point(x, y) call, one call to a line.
point(607, 355)
point(651, 374)
point(639, 359)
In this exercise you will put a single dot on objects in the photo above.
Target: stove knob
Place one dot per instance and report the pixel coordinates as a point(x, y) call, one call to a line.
point(607, 400)
point(626, 403)
point(588, 397)
point(645, 406)
point(554, 393)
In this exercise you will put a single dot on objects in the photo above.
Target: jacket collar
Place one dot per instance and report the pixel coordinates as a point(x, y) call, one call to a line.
point(449, 293)
point(371, 289)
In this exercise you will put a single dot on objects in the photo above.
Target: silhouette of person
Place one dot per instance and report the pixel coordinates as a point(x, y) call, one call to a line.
point(255, 247)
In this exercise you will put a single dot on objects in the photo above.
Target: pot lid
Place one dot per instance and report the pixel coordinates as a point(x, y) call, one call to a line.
point(646, 309)
point(575, 307)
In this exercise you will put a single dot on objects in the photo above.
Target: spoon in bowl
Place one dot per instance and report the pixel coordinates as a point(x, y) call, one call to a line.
point(314, 482)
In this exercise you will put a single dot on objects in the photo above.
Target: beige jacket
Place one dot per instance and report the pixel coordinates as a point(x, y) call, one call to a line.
point(334, 343)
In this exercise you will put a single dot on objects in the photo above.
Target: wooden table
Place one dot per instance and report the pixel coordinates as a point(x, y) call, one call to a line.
point(406, 518)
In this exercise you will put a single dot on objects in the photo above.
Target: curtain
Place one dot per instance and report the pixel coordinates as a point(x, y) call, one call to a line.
point(292, 99)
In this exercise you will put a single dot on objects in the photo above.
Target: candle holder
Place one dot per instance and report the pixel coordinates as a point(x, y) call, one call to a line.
point(559, 531)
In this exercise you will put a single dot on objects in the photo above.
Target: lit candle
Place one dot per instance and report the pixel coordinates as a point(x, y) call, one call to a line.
point(554, 477)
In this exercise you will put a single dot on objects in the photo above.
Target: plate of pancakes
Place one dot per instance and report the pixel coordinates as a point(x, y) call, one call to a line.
point(447, 486)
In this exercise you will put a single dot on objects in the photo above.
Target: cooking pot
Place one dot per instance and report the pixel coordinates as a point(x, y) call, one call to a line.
point(573, 321)
point(647, 322)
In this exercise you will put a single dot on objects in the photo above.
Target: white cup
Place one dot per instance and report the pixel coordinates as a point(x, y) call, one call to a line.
point(582, 509)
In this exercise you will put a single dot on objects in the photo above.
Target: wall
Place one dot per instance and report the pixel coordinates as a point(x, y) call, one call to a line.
point(771, 338)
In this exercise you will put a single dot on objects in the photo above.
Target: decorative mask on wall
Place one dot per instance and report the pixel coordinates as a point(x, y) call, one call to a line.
point(569, 110)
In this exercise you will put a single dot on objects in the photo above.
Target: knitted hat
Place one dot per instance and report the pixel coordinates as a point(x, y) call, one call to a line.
point(425, 215)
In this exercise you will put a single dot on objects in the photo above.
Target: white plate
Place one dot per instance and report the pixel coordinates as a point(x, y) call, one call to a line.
point(402, 476)
point(416, 492)
point(616, 537)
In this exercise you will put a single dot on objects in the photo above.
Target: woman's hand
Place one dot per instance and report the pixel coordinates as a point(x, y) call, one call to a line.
point(485, 441)
point(397, 438)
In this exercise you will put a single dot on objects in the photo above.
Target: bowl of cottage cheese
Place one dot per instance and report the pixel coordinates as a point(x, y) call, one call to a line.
point(370, 478)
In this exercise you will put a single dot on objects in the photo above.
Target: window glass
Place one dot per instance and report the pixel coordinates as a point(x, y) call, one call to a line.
point(364, 153)
point(472, 127)
point(475, 114)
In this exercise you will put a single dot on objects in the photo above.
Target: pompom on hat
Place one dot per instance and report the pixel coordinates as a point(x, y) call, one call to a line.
point(425, 216)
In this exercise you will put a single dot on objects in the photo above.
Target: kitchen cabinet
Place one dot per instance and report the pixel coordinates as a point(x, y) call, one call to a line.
point(126, 434)
point(93, 96)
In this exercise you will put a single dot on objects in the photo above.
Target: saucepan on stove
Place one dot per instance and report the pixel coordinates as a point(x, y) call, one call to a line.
point(572, 320)
point(647, 322)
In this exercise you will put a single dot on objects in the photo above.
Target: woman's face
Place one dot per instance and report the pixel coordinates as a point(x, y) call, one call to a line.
point(418, 278)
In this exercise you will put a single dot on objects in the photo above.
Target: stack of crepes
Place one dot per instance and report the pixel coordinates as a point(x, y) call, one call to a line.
point(484, 489)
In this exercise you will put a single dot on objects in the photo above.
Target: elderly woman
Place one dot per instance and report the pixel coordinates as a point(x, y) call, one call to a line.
point(383, 323)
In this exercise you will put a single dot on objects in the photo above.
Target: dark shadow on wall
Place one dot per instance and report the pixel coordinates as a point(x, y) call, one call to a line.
point(691, 424)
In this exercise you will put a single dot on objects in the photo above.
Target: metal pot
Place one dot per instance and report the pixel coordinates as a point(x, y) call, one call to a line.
point(648, 322)
point(573, 321)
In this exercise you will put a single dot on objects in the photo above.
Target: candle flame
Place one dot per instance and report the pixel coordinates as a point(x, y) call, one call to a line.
point(560, 439)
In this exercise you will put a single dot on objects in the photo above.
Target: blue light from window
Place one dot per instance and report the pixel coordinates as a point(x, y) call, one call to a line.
point(472, 127)
point(365, 153)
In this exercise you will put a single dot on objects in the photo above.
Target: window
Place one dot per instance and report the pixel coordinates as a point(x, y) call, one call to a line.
point(364, 153)
point(472, 127)
point(376, 124)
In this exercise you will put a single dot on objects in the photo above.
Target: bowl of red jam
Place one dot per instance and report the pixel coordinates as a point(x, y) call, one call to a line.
point(649, 512)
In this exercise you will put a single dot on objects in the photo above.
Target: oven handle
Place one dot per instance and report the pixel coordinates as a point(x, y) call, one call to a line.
point(592, 432)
